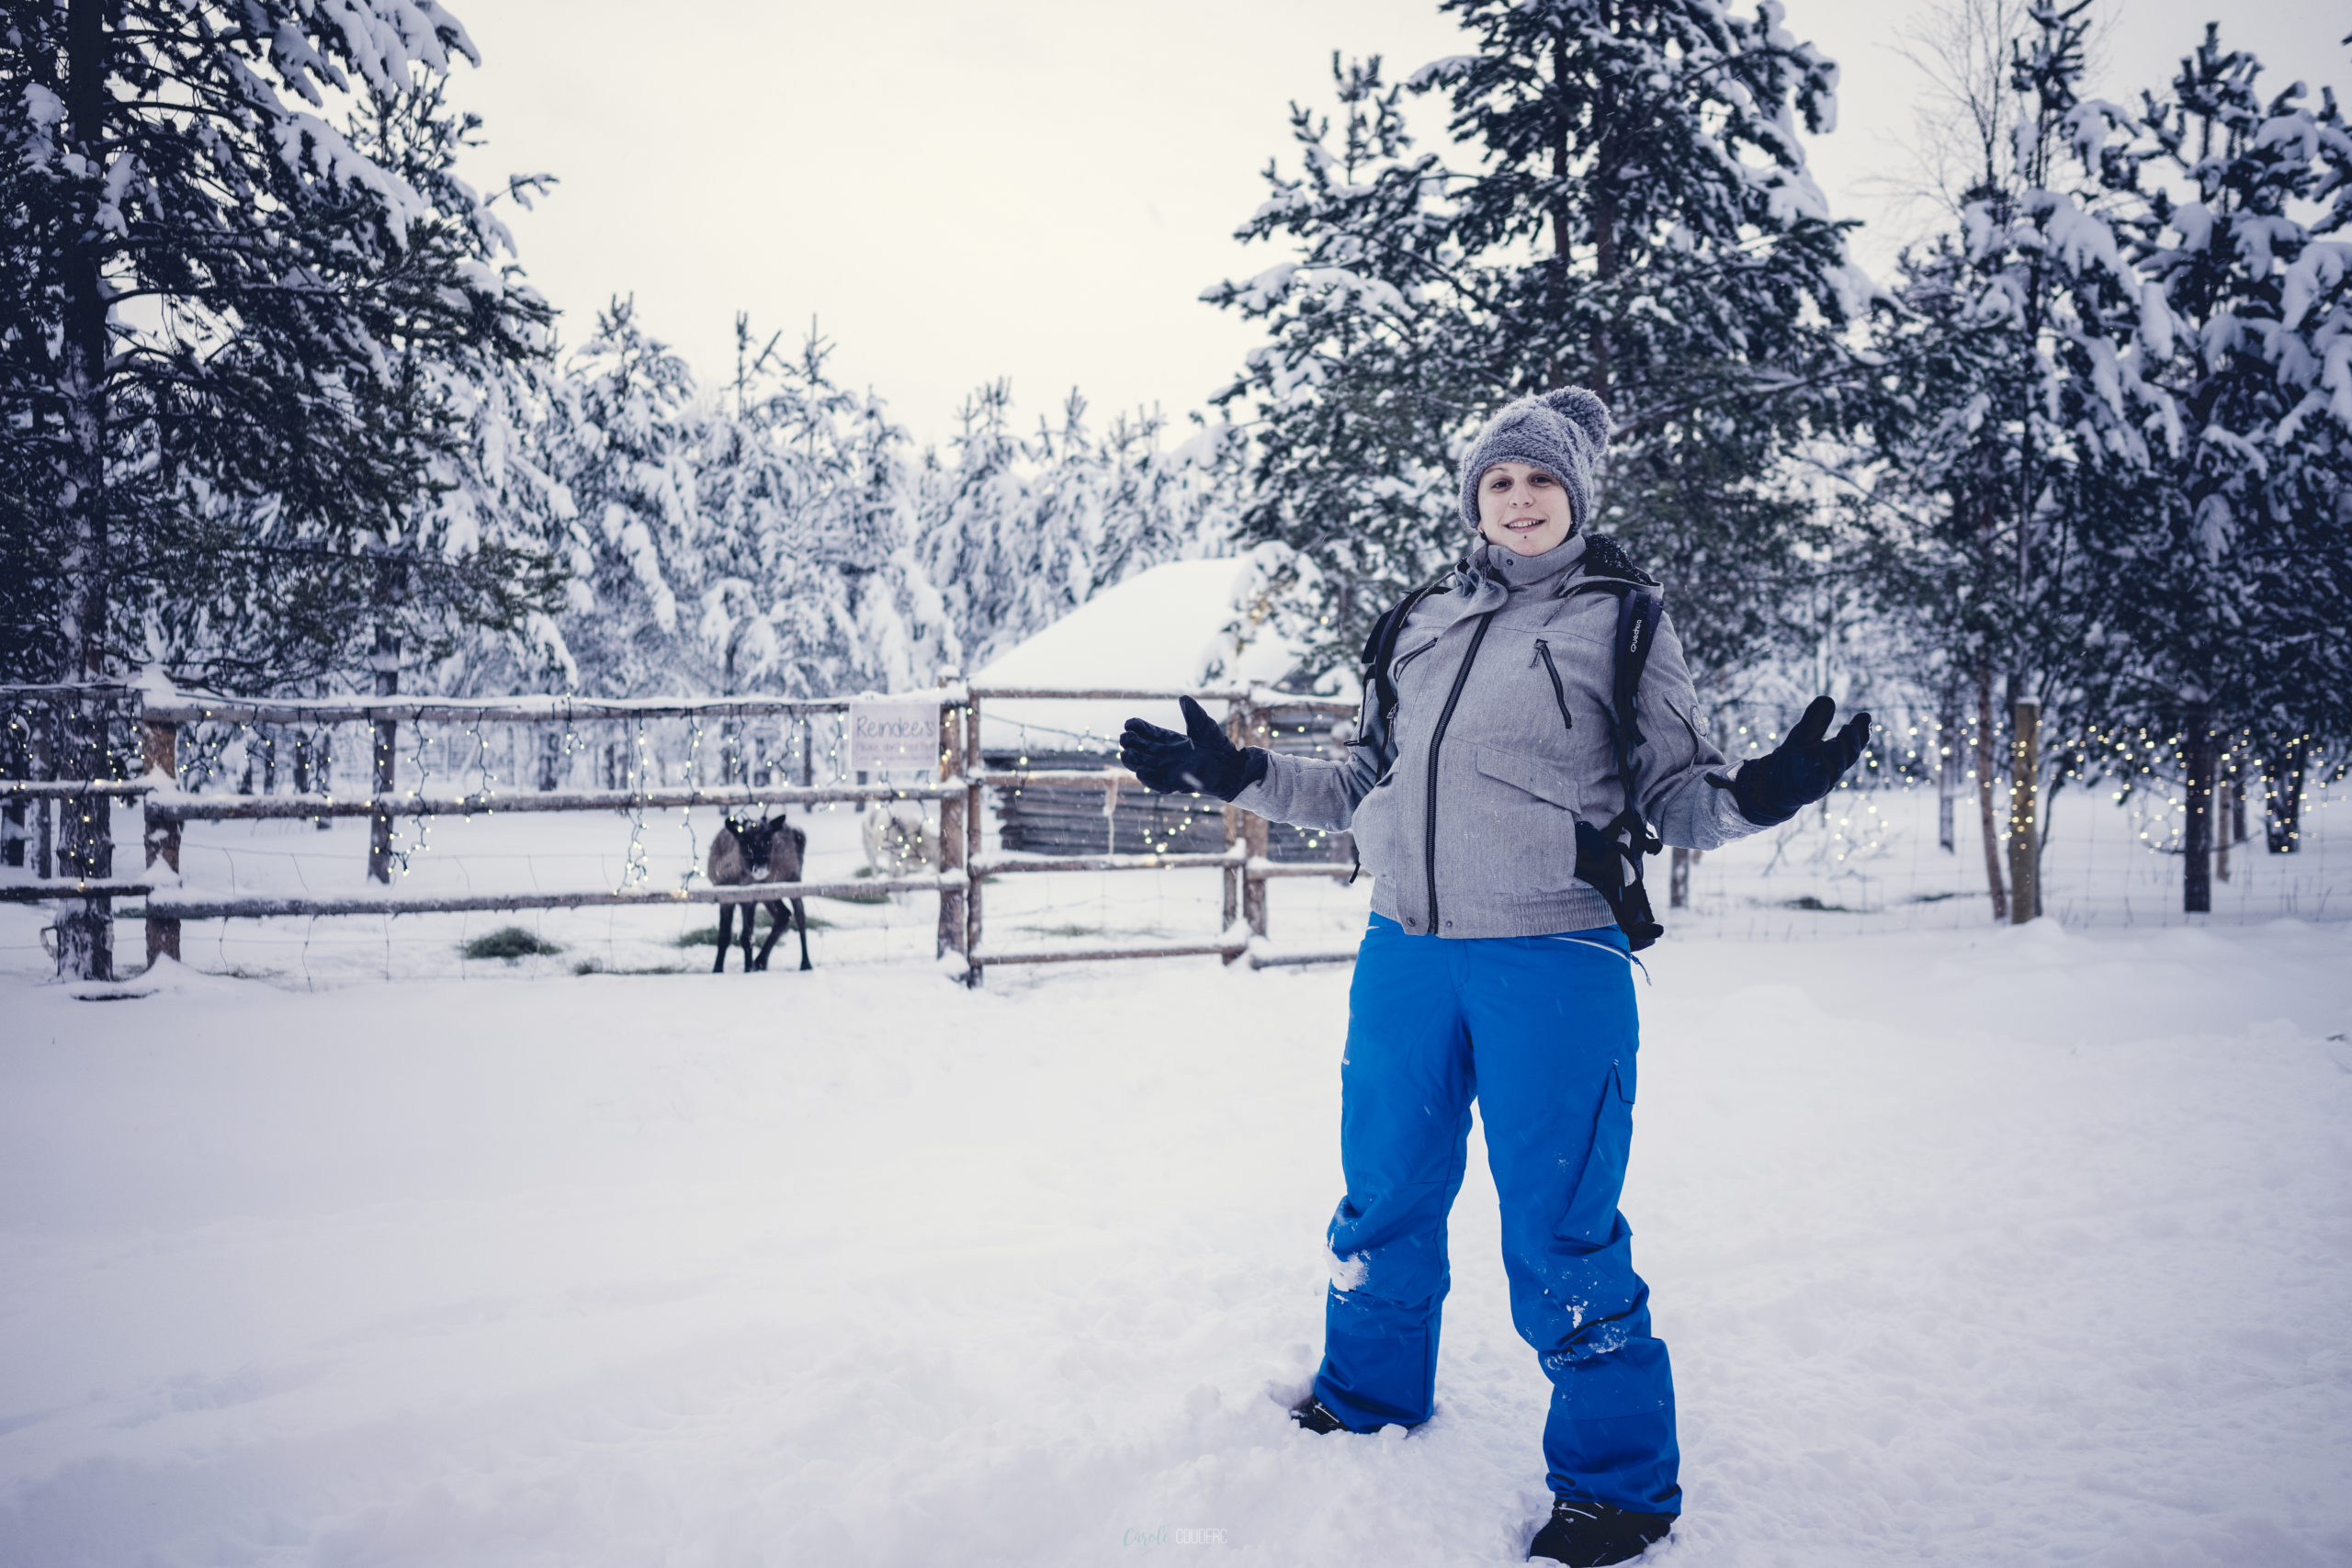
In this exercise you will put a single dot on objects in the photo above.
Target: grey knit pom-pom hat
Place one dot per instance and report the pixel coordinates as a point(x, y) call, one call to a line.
point(1562, 432)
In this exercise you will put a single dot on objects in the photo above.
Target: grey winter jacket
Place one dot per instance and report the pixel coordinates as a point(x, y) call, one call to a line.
point(1480, 775)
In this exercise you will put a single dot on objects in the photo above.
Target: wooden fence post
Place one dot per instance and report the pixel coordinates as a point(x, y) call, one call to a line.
point(2224, 797)
point(1253, 829)
point(953, 923)
point(380, 821)
point(15, 817)
point(160, 754)
point(974, 765)
point(2282, 792)
point(1236, 730)
point(84, 927)
point(1948, 770)
point(2238, 754)
point(389, 583)
point(2025, 836)
point(44, 744)
point(1232, 875)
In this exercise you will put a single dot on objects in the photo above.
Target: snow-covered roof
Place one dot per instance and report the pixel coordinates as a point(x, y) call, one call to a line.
point(1187, 622)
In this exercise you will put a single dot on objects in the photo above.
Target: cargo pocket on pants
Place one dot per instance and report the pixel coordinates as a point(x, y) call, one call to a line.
point(1591, 1216)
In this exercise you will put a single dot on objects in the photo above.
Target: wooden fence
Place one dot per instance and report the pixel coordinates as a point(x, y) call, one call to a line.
point(963, 871)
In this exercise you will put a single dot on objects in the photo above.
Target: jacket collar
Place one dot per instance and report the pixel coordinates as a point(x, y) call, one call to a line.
point(1490, 574)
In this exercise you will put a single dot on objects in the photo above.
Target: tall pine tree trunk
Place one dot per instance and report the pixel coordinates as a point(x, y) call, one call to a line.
point(1989, 828)
point(1678, 883)
point(2025, 834)
point(2197, 837)
point(1604, 219)
point(86, 844)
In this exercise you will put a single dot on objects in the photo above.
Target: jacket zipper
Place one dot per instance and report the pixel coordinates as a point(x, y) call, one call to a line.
point(1559, 692)
point(1437, 739)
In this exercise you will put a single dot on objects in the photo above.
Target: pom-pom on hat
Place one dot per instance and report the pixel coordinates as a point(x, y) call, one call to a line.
point(1562, 432)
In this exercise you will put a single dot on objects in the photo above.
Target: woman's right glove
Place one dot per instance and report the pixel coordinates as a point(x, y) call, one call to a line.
point(1773, 788)
point(1199, 761)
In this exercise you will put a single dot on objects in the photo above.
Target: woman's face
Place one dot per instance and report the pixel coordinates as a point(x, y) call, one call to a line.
point(1522, 508)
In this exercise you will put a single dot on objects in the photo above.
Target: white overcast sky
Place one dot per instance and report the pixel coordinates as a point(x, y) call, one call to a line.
point(1038, 189)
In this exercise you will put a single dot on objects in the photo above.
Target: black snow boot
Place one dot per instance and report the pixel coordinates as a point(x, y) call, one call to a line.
point(1309, 1413)
point(1587, 1535)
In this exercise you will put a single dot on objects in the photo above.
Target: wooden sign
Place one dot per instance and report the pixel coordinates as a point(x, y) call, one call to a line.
point(894, 736)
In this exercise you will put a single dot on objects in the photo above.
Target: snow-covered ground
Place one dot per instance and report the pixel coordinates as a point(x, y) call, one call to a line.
point(1995, 1247)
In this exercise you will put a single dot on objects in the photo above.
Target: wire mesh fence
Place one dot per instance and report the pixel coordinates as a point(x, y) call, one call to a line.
point(1899, 847)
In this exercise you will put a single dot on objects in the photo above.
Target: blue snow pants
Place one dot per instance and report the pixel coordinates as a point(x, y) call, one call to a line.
point(1541, 1031)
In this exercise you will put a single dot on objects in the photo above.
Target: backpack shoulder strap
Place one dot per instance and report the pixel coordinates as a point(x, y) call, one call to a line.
point(1638, 612)
point(1610, 858)
point(1380, 648)
point(1638, 618)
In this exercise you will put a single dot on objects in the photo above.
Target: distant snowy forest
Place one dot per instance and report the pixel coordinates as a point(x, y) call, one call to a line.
point(284, 414)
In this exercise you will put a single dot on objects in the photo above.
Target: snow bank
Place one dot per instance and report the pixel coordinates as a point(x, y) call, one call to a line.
point(2021, 1248)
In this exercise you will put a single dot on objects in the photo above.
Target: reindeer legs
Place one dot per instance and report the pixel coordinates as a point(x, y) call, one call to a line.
point(800, 919)
point(726, 924)
point(776, 919)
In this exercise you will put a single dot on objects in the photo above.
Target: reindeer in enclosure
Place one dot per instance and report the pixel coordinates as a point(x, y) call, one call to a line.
point(746, 853)
point(899, 840)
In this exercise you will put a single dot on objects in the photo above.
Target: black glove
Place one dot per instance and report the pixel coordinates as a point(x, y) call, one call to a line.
point(1771, 789)
point(1200, 762)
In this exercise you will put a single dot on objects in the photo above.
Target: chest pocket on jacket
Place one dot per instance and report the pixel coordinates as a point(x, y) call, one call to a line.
point(1397, 665)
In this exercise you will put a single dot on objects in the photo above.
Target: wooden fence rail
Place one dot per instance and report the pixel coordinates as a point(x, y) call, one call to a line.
point(962, 875)
point(74, 789)
point(175, 808)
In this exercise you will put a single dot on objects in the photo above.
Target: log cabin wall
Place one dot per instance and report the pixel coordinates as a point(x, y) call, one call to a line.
point(1066, 820)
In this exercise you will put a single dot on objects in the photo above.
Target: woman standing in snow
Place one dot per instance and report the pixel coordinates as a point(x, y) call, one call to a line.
point(1496, 964)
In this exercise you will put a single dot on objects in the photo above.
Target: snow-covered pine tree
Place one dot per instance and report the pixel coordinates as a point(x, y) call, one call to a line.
point(308, 294)
point(903, 636)
point(213, 293)
point(762, 478)
point(2237, 566)
point(2010, 420)
point(480, 546)
point(1688, 270)
point(468, 569)
point(975, 509)
point(1017, 533)
point(1639, 220)
point(625, 446)
point(1375, 371)
point(757, 543)
point(494, 494)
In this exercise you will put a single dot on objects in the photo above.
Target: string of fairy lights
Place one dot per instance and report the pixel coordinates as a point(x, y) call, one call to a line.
point(2143, 769)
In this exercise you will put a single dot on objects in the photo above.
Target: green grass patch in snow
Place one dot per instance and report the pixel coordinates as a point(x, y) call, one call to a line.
point(707, 936)
point(510, 942)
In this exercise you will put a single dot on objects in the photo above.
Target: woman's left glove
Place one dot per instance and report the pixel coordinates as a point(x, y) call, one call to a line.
point(1771, 789)
point(1199, 761)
